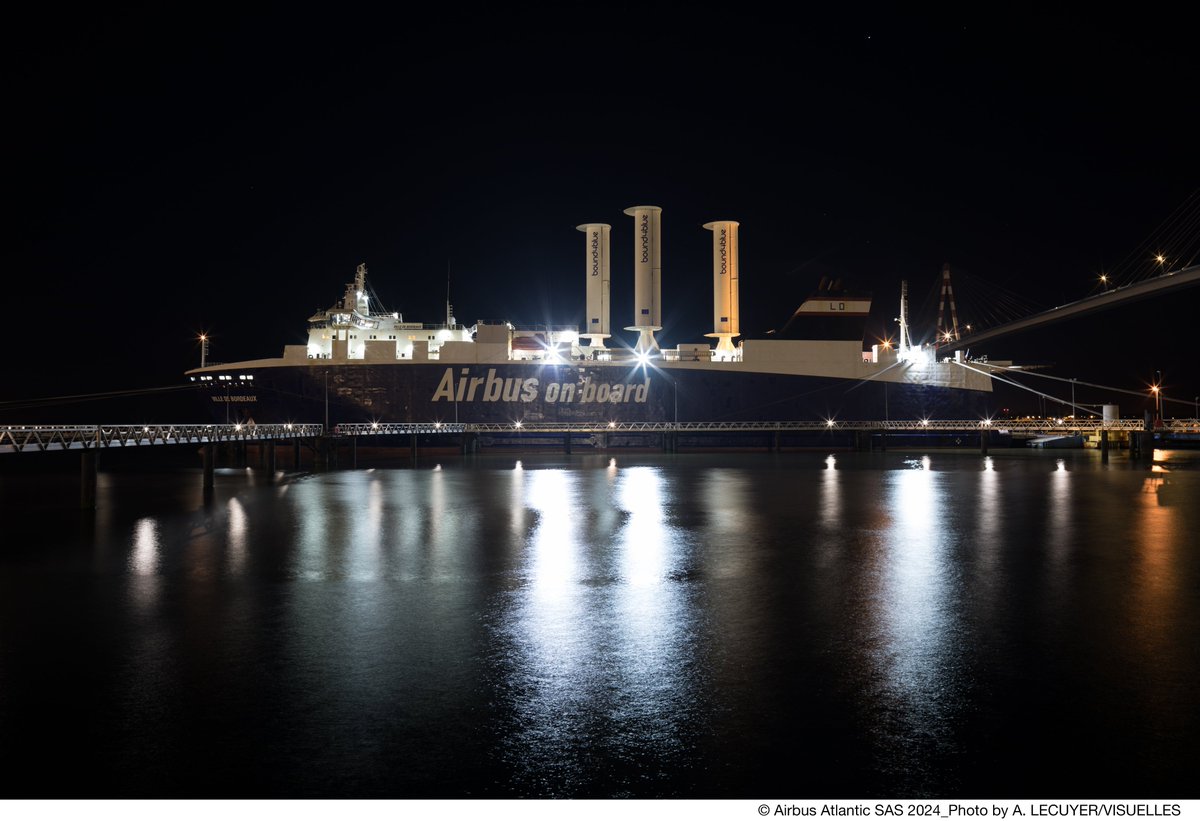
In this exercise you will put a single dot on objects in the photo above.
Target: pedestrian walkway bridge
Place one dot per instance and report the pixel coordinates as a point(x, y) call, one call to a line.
point(45, 438)
point(894, 425)
point(42, 438)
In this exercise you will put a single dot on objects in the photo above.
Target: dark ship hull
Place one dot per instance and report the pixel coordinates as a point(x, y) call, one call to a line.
point(568, 393)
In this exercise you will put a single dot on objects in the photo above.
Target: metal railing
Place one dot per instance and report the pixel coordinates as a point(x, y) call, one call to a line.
point(894, 425)
point(41, 438)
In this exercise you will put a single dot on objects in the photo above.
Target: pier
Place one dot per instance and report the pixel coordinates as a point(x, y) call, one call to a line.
point(89, 440)
point(1031, 426)
point(1136, 435)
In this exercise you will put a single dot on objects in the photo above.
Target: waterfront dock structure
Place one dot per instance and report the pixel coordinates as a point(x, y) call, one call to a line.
point(867, 435)
point(1137, 435)
point(42, 438)
point(46, 438)
point(89, 440)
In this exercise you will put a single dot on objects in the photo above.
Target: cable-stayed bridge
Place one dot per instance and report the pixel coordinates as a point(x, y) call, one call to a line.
point(1161, 284)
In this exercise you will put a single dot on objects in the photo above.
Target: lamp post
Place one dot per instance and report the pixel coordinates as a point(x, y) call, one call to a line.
point(203, 349)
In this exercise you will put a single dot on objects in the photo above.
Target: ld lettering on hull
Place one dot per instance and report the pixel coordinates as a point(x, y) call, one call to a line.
point(463, 387)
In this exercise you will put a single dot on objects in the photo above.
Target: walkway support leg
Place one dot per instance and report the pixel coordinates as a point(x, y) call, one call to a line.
point(983, 442)
point(210, 461)
point(87, 479)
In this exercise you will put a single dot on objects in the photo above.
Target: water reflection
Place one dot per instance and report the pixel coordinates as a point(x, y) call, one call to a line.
point(1060, 527)
point(554, 544)
point(314, 543)
point(664, 626)
point(645, 540)
point(989, 520)
point(728, 504)
point(516, 503)
point(599, 631)
point(143, 561)
point(236, 537)
point(915, 660)
point(831, 497)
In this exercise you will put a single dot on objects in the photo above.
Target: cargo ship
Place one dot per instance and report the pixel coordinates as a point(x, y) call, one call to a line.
point(361, 364)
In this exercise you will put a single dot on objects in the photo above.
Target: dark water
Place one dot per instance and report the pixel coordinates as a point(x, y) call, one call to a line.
point(687, 626)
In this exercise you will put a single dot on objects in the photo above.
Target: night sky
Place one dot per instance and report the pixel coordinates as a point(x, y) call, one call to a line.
point(170, 172)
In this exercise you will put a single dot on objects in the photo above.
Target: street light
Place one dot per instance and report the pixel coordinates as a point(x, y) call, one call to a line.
point(1157, 399)
point(203, 349)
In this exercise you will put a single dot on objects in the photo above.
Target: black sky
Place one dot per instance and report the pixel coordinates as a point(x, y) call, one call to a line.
point(226, 169)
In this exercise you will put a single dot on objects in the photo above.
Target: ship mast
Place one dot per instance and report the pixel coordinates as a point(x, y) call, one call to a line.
point(356, 298)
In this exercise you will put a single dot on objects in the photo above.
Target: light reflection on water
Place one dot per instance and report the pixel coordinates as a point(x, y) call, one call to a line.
point(916, 602)
point(637, 625)
point(598, 656)
point(236, 537)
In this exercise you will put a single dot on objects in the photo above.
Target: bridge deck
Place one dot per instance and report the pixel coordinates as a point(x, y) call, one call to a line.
point(43, 438)
point(40, 438)
point(893, 425)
